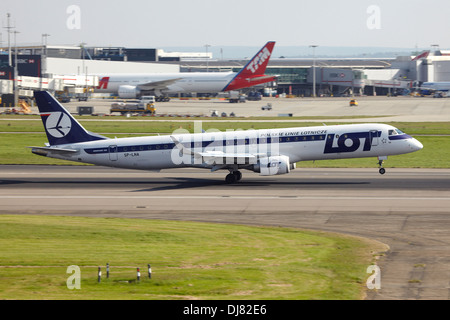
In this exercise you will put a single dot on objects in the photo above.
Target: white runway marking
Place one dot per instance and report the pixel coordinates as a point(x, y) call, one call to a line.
point(227, 197)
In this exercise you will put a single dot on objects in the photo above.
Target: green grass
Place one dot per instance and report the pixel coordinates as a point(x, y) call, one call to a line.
point(189, 260)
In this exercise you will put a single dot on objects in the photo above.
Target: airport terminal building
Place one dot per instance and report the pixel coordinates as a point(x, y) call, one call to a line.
point(75, 69)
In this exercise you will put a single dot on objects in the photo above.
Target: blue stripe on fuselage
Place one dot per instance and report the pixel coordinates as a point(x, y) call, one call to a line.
point(400, 137)
point(204, 144)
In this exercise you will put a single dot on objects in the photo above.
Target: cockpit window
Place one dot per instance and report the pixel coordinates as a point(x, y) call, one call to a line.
point(394, 132)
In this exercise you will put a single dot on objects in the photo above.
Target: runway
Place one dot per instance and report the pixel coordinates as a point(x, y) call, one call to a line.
point(407, 209)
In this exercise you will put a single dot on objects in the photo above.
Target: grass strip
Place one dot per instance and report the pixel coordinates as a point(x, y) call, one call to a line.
point(188, 260)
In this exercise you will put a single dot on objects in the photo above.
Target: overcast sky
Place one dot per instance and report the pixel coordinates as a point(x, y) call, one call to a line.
point(162, 23)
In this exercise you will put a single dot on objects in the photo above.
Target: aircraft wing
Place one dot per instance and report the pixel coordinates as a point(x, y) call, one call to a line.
point(215, 157)
point(219, 157)
point(163, 84)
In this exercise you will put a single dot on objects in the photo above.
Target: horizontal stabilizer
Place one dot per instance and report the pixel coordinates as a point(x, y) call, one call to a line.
point(43, 151)
point(263, 78)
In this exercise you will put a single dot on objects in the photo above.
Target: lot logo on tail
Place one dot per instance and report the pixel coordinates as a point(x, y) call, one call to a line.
point(58, 124)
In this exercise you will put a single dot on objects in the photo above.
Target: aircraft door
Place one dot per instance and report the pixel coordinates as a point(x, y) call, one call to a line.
point(113, 156)
point(374, 137)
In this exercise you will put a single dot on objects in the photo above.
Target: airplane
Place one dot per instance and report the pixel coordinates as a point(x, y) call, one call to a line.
point(266, 151)
point(428, 88)
point(132, 86)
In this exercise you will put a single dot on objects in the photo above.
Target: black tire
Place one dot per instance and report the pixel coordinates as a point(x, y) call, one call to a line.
point(230, 178)
point(382, 171)
point(238, 175)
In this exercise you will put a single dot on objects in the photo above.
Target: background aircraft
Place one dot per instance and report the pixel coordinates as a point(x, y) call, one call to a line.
point(428, 88)
point(131, 86)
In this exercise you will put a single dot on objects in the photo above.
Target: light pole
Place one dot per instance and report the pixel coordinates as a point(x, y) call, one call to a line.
point(44, 53)
point(16, 72)
point(314, 46)
point(207, 60)
point(8, 28)
point(44, 42)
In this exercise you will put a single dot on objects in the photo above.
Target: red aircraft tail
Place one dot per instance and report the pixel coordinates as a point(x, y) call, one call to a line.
point(253, 72)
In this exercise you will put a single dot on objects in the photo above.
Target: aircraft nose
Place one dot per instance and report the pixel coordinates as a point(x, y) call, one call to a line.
point(416, 145)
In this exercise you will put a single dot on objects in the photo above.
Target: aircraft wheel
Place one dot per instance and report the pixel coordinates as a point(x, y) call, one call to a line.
point(230, 178)
point(382, 171)
point(238, 175)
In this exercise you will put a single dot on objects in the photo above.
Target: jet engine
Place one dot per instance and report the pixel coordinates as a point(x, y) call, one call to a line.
point(273, 165)
point(128, 92)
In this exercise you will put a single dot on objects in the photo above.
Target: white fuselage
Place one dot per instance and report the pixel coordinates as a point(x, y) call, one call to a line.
point(298, 144)
point(438, 86)
point(205, 82)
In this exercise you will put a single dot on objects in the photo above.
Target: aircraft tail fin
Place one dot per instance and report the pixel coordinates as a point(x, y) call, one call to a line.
point(60, 127)
point(424, 54)
point(253, 72)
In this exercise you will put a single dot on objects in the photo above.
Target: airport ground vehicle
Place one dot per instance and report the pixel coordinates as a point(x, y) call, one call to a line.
point(254, 96)
point(145, 105)
point(353, 103)
point(235, 97)
point(267, 107)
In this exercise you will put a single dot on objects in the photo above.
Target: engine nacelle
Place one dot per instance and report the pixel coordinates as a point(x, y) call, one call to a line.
point(273, 165)
point(128, 92)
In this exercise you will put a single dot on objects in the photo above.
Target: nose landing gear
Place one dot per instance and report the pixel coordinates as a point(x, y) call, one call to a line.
point(380, 164)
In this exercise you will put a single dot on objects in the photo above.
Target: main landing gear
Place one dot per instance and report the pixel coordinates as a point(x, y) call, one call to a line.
point(233, 177)
point(162, 99)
